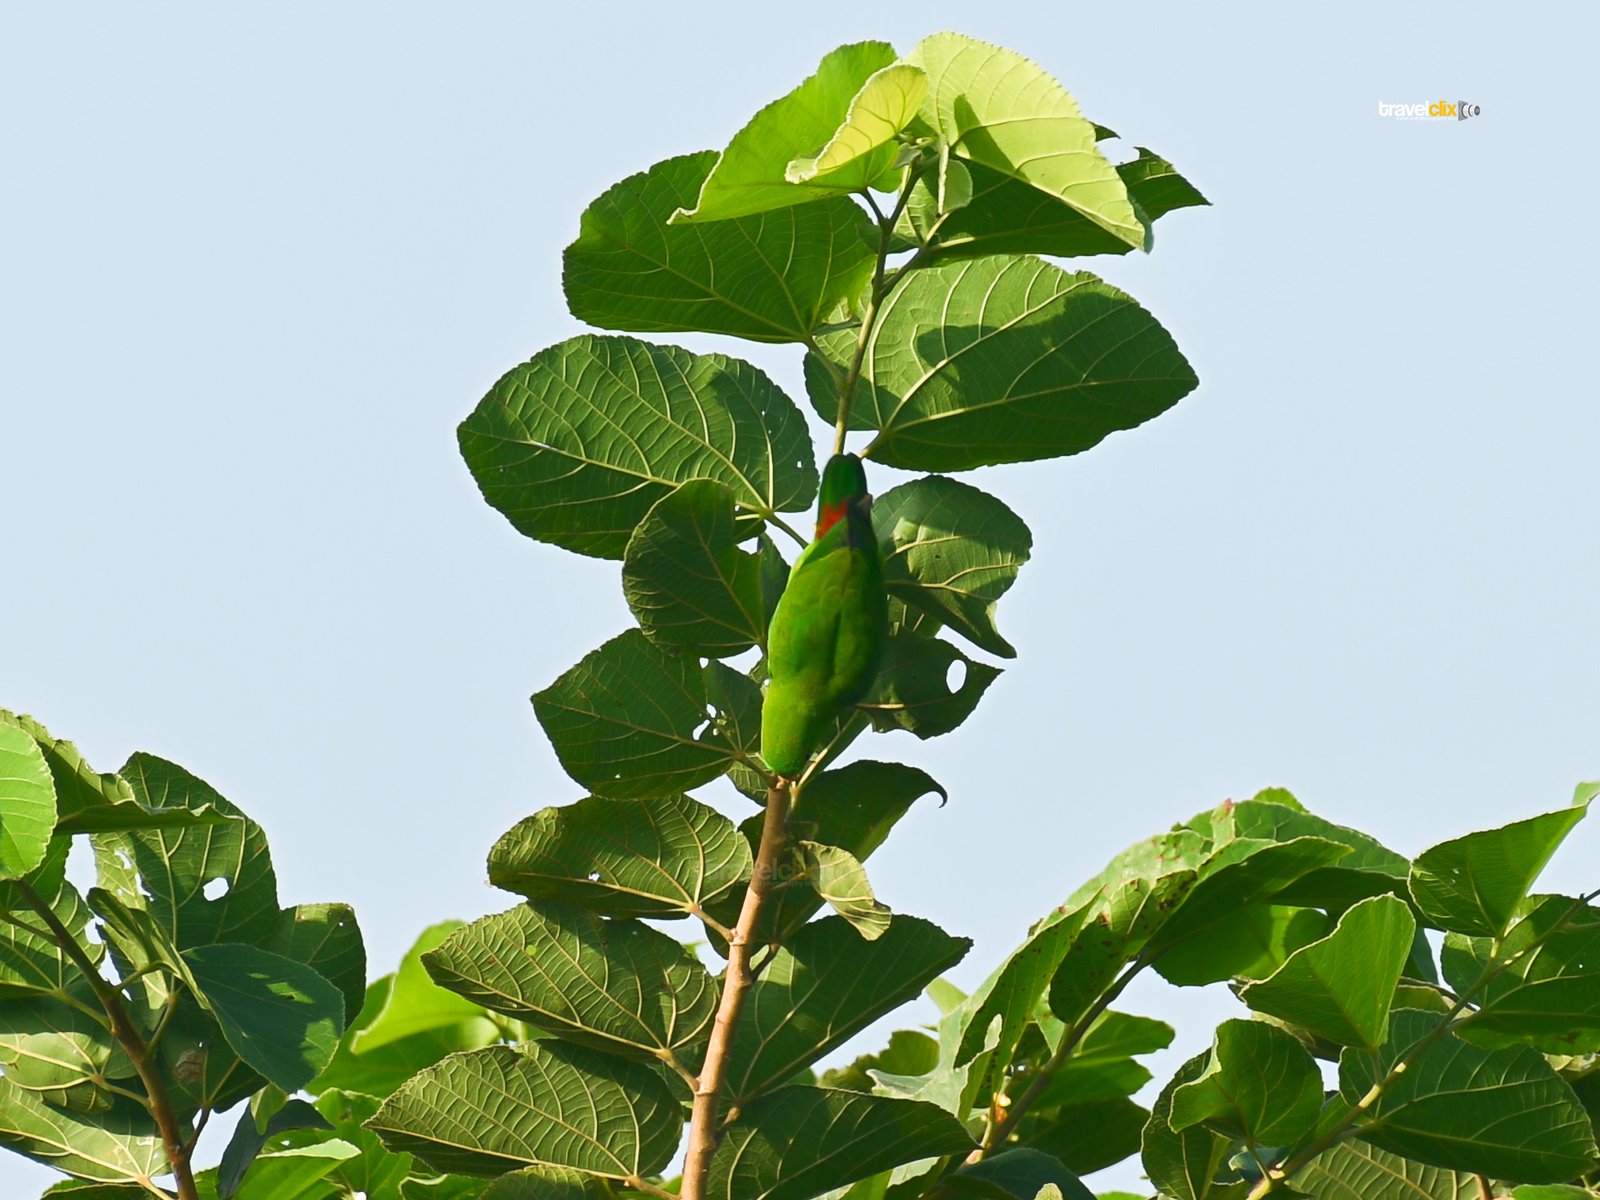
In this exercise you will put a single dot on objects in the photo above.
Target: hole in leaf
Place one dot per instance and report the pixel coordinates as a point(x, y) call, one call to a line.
point(122, 857)
point(215, 889)
point(955, 676)
point(594, 876)
point(1117, 151)
point(704, 729)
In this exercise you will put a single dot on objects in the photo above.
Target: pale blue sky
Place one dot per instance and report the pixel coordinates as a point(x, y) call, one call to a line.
point(259, 260)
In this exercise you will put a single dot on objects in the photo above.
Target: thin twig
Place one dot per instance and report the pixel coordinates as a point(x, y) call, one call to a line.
point(124, 1030)
point(703, 1121)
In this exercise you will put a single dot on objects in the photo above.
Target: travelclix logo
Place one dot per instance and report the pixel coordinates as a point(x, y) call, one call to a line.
point(1438, 110)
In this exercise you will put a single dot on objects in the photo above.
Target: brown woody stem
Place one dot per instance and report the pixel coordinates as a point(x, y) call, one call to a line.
point(704, 1125)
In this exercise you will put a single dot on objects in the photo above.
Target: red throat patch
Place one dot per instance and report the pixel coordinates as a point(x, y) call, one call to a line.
point(831, 515)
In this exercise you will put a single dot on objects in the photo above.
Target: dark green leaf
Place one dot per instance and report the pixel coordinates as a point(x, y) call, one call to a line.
point(279, 1016)
point(665, 857)
point(497, 1109)
point(1089, 1136)
point(1044, 363)
point(326, 938)
point(545, 1183)
point(823, 986)
point(690, 587)
point(1007, 216)
point(1474, 884)
point(1342, 986)
point(912, 690)
point(30, 960)
point(1252, 943)
point(951, 550)
point(629, 721)
point(1504, 1113)
point(1260, 1086)
point(799, 1142)
point(576, 445)
point(617, 985)
point(772, 278)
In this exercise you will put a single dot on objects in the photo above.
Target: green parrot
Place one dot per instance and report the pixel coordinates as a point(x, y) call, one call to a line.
point(830, 625)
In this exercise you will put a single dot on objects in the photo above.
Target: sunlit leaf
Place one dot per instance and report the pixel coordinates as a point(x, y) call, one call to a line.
point(887, 102)
point(112, 1147)
point(1358, 1171)
point(1260, 1086)
point(27, 803)
point(838, 877)
point(1188, 1164)
point(752, 174)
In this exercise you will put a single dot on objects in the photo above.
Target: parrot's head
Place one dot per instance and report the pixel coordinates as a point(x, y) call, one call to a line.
point(844, 487)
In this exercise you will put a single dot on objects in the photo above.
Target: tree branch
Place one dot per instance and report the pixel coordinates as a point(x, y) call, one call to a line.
point(124, 1030)
point(703, 1123)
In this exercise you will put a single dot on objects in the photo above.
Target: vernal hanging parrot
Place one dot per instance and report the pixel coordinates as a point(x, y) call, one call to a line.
point(829, 628)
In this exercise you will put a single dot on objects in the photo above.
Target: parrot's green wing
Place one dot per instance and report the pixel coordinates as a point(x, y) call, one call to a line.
point(826, 638)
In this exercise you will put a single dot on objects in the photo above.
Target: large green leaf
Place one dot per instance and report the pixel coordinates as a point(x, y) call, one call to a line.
point(168, 871)
point(1192, 1163)
point(1000, 110)
point(1089, 1136)
point(1261, 1086)
point(1543, 981)
point(629, 721)
point(666, 857)
point(1357, 1171)
point(1342, 986)
point(617, 985)
point(1503, 1113)
point(909, 1052)
point(1007, 216)
point(296, 1173)
point(951, 551)
point(111, 1147)
point(577, 444)
point(251, 1135)
point(752, 175)
point(823, 986)
point(770, 278)
point(494, 1110)
point(90, 802)
point(279, 1016)
point(1473, 884)
point(689, 585)
point(799, 1142)
point(1002, 360)
point(27, 803)
point(913, 691)
point(59, 1051)
point(544, 1183)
